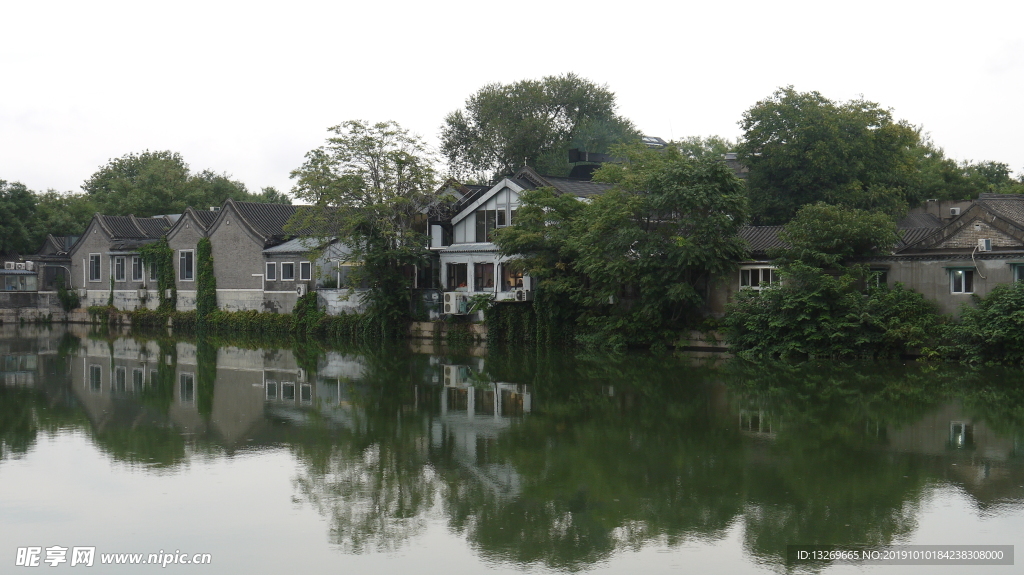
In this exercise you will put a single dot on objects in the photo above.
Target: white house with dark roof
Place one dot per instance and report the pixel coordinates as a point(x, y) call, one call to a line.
point(469, 260)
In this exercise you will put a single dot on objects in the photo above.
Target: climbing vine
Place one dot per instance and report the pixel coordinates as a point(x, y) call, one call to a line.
point(206, 285)
point(161, 255)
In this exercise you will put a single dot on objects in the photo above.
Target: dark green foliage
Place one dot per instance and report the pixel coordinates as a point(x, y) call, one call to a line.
point(17, 208)
point(206, 282)
point(510, 325)
point(631, 266)
point(161, 255)
point(69, 299)
point(814, 313)
point(991, 331)
point(531, 123)
point(825, 236)
point(206, 375)
point(803, 148)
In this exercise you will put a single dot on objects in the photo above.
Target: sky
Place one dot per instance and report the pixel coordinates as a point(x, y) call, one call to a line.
point(248, 88)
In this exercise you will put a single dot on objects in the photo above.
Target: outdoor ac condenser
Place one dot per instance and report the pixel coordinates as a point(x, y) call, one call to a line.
point(984, 245)
point(8, 265)
point(300, 289)
point(954, 211)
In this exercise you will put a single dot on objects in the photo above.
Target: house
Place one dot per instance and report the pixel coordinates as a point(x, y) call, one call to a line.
point(469, 261)
point(106, 259)
point(183, 238)
point(239, 236)
point(978, 246)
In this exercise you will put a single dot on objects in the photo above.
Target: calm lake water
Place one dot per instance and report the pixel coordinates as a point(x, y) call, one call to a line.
point(392, 460)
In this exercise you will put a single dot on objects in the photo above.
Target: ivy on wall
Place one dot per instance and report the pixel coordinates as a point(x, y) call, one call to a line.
point(161, 255)
point(206, 284)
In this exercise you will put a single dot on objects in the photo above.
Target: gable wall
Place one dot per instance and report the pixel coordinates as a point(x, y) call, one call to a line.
point(967, 236)
point(465, 229)
point(237, 255)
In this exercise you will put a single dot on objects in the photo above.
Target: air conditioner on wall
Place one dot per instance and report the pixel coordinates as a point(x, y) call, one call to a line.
point(984, 245)
point(300, 289)
point(19, 266)
point(30, 266)
point(954, 211)
point(83, 293)
point(8, 265)
point(142, 293)
point(456, 303)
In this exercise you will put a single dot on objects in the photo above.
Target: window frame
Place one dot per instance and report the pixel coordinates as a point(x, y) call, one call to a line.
point(138, 266)
point(965, 289)
point(99, 267)
point(119, 269)
point(183, 378)
point(284, 265)
point(191, 265)
point(750, 285)
point(271, 276)
point(308, 268)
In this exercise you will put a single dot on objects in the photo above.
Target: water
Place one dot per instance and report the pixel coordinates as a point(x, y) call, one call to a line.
point(387, 460)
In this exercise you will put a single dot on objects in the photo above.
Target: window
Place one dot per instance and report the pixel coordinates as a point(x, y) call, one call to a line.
point(306, 393)
point(288, 390)
point(271, 389)
point(486, 223)
point(457, 276)
point(757, 278)
point(119, 269)
point(271, 271)
point(305, 271)
point(187, 384)
point(120, 380)
point(1018, 272)
point(136, 269)
point(138, 380)
point(95, 378)
point(483, 277)
point(509, 279)
point(961, 281)
point(152, 272)
point(94, 267)
point(288, 271)
point(878, 277)
point(186, 265)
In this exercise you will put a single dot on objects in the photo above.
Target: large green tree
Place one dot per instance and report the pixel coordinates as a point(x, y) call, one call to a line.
point(371, 186)
point(17, 210)
point(943, 178)
point(531, 122)
point(803, 148)
point(637, 260)
point(60, 214)
point(151, 183)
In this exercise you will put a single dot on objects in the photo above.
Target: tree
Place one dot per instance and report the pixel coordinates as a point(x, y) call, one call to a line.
point(531, 122)
point(710, 147)
point(371, 186)
point(803, 148)
point(943, 178)
point(17, 209)
point(154, 183)
point(825, 236)
point(60, 214)
point(638, 259)
point(270, 195)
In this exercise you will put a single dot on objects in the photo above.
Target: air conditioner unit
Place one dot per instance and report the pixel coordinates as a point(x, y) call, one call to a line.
point(300, 289)
point(142, 293)
point(167, 294)
point(83, 293)
point(302, 375)
point(19, 266)
point(456, 303)
point(954, 211)
point(8, 265)
point(30, 266)
point(520, 295)
point(984, 245)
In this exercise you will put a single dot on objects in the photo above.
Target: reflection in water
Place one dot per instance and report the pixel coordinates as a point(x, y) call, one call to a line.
point(557, 461)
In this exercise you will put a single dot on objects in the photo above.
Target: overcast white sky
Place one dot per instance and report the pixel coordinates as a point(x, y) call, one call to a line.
point(248, 88)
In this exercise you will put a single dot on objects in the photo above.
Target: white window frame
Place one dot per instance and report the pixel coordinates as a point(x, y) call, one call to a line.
point(749, 269)
point(308, 268)
point(284, 279)
point(119, 271)
point(963, 282)
point(192, 266)
point(99, 267)
point(120, 381)
point(95, 378)
point(138, 379)
point(153, 273)
point(182, 378)
point(137, 266)
point(271, 275)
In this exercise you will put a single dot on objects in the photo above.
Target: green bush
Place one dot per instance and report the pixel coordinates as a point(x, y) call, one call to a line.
point(993, 331)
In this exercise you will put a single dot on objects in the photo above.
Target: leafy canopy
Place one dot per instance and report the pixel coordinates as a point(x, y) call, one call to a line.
point(825, 236)
point(803, 148)
point(636, 260)
point(17, 209)
point(371, 186)
point(504, 127)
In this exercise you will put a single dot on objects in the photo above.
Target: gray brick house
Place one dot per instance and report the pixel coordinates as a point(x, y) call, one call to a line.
point(182, 238)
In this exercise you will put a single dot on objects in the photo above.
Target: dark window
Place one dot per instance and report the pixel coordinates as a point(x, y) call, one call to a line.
point(94, 267)
point(186, 267)
point(457, 275)
point(119, 269)
point(271, 271)
point(136, 269)
point(961, 281)
point(510, 279)
point(305, 270)
point(288, 271)
point(483, 277)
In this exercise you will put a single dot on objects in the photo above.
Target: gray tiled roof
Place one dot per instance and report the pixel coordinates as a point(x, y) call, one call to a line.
point(268, 220)
point(919, 220)
point(1008, 206)
point(762, 238)
point(580, 188)
point(205, 218)
point(295, 246)
point(909, 236)
point(128, 227)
